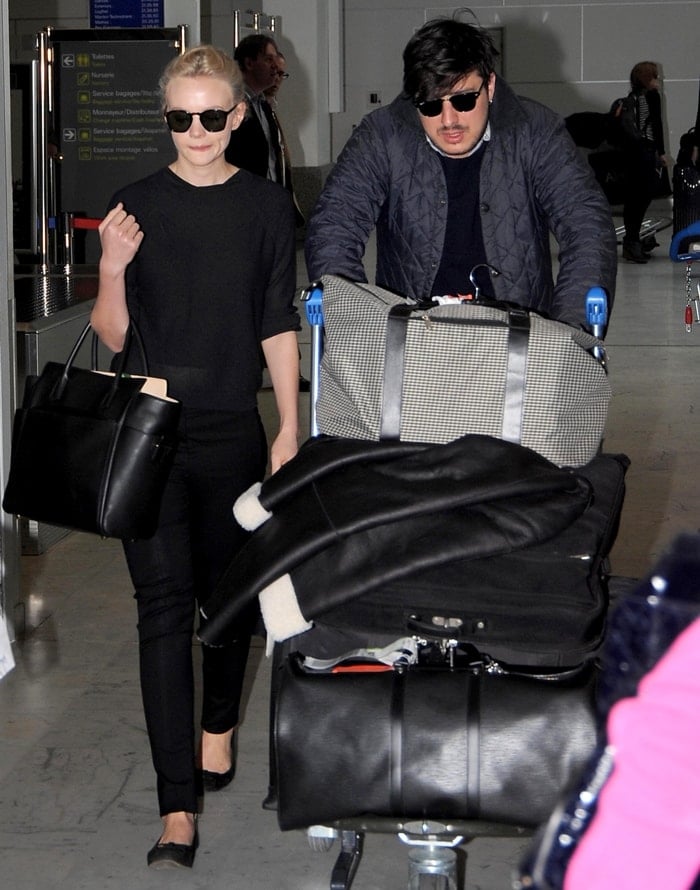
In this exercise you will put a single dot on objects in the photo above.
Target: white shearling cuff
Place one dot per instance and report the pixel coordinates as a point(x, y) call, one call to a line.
point(281, 612)
point(248, 511)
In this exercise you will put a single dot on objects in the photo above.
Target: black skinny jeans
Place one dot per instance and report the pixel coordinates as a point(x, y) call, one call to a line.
point(220, 455)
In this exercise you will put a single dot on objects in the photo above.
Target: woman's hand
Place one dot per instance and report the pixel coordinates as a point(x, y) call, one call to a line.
point(283, 449)
point(120, 237)
point(282, 357)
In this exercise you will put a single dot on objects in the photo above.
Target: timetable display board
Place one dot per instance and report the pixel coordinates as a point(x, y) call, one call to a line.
point(126, 13)
point(107, 118)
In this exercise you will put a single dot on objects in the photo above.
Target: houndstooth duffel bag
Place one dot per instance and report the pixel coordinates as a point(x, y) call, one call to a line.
point(393, 370)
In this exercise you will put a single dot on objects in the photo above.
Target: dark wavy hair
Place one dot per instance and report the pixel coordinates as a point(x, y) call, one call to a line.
point(251, 47)
point(443, 52)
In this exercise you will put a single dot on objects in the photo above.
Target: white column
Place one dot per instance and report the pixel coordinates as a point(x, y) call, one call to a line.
point(305, 39)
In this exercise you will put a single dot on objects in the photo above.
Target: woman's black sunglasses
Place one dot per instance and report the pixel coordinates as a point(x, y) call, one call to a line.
point(459, 101)
point(213, 119)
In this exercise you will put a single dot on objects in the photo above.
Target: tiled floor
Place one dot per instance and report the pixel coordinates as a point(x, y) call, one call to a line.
point(77, 798)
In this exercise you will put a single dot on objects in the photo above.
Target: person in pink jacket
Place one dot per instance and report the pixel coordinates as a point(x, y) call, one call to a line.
point(631, 819)
point(646, 831)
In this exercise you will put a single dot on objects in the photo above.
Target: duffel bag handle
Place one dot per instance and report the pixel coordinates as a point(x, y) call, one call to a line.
point(518, 322)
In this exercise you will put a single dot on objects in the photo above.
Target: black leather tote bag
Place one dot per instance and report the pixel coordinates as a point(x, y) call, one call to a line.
point(92, 450)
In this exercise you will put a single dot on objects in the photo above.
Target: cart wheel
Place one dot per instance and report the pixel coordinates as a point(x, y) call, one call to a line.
point(321, 838)
point(433, 882)
point(321, 844)
point(432, 868)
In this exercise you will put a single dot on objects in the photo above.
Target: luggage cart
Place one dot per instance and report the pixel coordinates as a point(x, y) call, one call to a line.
point(433, 843)
point(387, 715)
point(433, 862)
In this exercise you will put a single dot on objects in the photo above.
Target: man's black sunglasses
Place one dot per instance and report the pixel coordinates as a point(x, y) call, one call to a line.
point(465, 101)
point(213, 119)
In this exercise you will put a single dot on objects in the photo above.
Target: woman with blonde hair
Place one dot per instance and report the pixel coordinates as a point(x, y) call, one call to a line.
point(201, 257)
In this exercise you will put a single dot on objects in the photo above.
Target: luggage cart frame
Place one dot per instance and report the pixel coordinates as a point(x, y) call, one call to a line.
point(433, 844)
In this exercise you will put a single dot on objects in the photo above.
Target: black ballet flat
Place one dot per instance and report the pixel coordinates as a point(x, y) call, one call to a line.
point(173, 855)
point(216, 781)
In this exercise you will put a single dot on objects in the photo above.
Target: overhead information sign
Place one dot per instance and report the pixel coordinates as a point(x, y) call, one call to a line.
point(126, 13)
point(108, 120)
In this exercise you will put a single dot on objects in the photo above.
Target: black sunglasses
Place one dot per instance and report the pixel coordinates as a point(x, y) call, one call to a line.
point(459, 101)
point(213, 119)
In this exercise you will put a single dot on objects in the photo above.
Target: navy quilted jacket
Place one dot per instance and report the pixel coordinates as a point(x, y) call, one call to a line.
point(533, 180)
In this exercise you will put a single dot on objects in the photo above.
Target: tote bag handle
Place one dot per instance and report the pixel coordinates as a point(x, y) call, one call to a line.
point(131, 333)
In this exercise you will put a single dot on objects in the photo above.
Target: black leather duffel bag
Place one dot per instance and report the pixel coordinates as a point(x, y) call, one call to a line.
point(422, 741)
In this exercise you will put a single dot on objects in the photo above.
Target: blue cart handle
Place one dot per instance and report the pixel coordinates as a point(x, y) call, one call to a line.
point(312, 297)
point(597, 318)
point(597, 310)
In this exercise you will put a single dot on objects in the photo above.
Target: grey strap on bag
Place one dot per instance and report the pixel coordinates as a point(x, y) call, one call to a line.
point(518, 321)
point(516, 374)
point(392, 388)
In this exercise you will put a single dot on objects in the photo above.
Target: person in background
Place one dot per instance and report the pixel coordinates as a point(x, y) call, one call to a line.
point(642, 143)
point(631, 817)
point(201, 257)
point(646, 830)
point(458, 174)
point(281, 74)
point(271, 95)
point(255, 144)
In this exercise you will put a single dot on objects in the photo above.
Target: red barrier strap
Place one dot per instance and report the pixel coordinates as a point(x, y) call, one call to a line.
point(83, 222)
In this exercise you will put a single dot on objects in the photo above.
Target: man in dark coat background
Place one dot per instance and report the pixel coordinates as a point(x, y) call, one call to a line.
point(255, 144)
